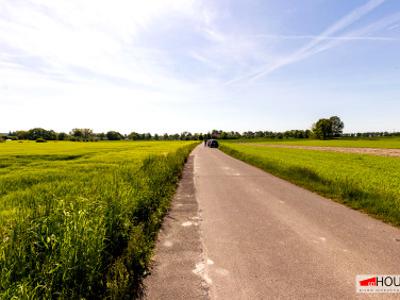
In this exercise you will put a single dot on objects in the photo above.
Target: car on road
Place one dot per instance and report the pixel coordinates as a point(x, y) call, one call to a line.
point(212, 143)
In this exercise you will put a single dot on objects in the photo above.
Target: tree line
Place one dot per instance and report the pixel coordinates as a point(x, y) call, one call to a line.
point(326, 128)
point(88, 135)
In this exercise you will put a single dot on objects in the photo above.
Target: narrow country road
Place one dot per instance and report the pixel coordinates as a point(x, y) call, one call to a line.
point(255, 236)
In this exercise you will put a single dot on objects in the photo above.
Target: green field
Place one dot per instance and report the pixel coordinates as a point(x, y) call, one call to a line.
point(388, 142)
point(78, 220)
point(365, 182)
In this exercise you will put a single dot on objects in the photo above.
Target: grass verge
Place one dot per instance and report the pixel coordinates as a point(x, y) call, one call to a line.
point(382, 142)
point(363, 182)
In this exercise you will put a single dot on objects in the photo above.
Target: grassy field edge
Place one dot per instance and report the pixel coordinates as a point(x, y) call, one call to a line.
point(126, 274)
point(77, 249)
point(380, 143)
point(378, 205)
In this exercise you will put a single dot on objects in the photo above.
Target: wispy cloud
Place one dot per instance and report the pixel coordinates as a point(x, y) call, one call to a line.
point(345, 22)
point(163, 64)
point(73, 38)
point(364, 31)
point(87, 54)
point(327, 39)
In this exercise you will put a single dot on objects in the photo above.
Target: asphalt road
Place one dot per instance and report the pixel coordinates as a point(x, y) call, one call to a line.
point(254, 236)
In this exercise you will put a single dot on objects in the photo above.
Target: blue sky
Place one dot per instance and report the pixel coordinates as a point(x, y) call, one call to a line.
point(169, 66)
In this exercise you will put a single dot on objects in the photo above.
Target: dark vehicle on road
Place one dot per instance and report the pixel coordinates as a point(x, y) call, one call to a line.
point(212, 143)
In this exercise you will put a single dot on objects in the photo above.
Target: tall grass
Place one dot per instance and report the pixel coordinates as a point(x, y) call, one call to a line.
point(364, 182)
point(82, 225)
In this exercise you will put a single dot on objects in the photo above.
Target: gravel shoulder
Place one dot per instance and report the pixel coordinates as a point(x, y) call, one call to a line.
point(179, 254)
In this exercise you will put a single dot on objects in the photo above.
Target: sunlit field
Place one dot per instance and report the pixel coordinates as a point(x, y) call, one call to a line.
point(384, 142)
point(365, 182)
point(78, 220)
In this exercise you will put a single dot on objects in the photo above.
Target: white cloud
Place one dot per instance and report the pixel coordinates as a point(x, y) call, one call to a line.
point(98, 36)
point(118, 64)
point(86, 57)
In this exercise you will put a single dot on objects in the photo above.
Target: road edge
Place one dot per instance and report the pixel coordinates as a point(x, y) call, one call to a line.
point(175, 271)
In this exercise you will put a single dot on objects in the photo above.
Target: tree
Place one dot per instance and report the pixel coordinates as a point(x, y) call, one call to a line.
point(77, 133)
point(337, 126)
point(36, 133)
point(22, 134)
point(101, 136)
point(87, 133)
point(62, 136)
point(114, 136)
point(133, 136)
point(82, 133)
point(323, 129)
point(328, 128)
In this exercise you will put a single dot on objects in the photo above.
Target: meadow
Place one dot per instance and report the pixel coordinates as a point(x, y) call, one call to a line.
point(383, 142)
point(365, 182)
point(79, 220)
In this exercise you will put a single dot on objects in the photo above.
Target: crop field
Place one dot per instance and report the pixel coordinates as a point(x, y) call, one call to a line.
point(385, 142)
point(365, 182)
point(78, 220)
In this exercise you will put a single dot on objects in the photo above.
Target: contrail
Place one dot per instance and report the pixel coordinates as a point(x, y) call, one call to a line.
point(310, 48)
point(346, 38)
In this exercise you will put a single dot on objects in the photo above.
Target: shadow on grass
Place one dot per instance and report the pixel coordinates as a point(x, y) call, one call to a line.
point(49, 157)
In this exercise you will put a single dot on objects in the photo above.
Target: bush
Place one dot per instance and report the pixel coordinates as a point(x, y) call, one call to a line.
point(40, 140)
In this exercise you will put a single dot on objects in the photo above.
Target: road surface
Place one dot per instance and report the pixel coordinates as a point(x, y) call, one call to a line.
point(237, 232)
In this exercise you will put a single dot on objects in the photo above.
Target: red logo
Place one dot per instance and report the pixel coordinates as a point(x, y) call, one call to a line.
point(368, 282)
